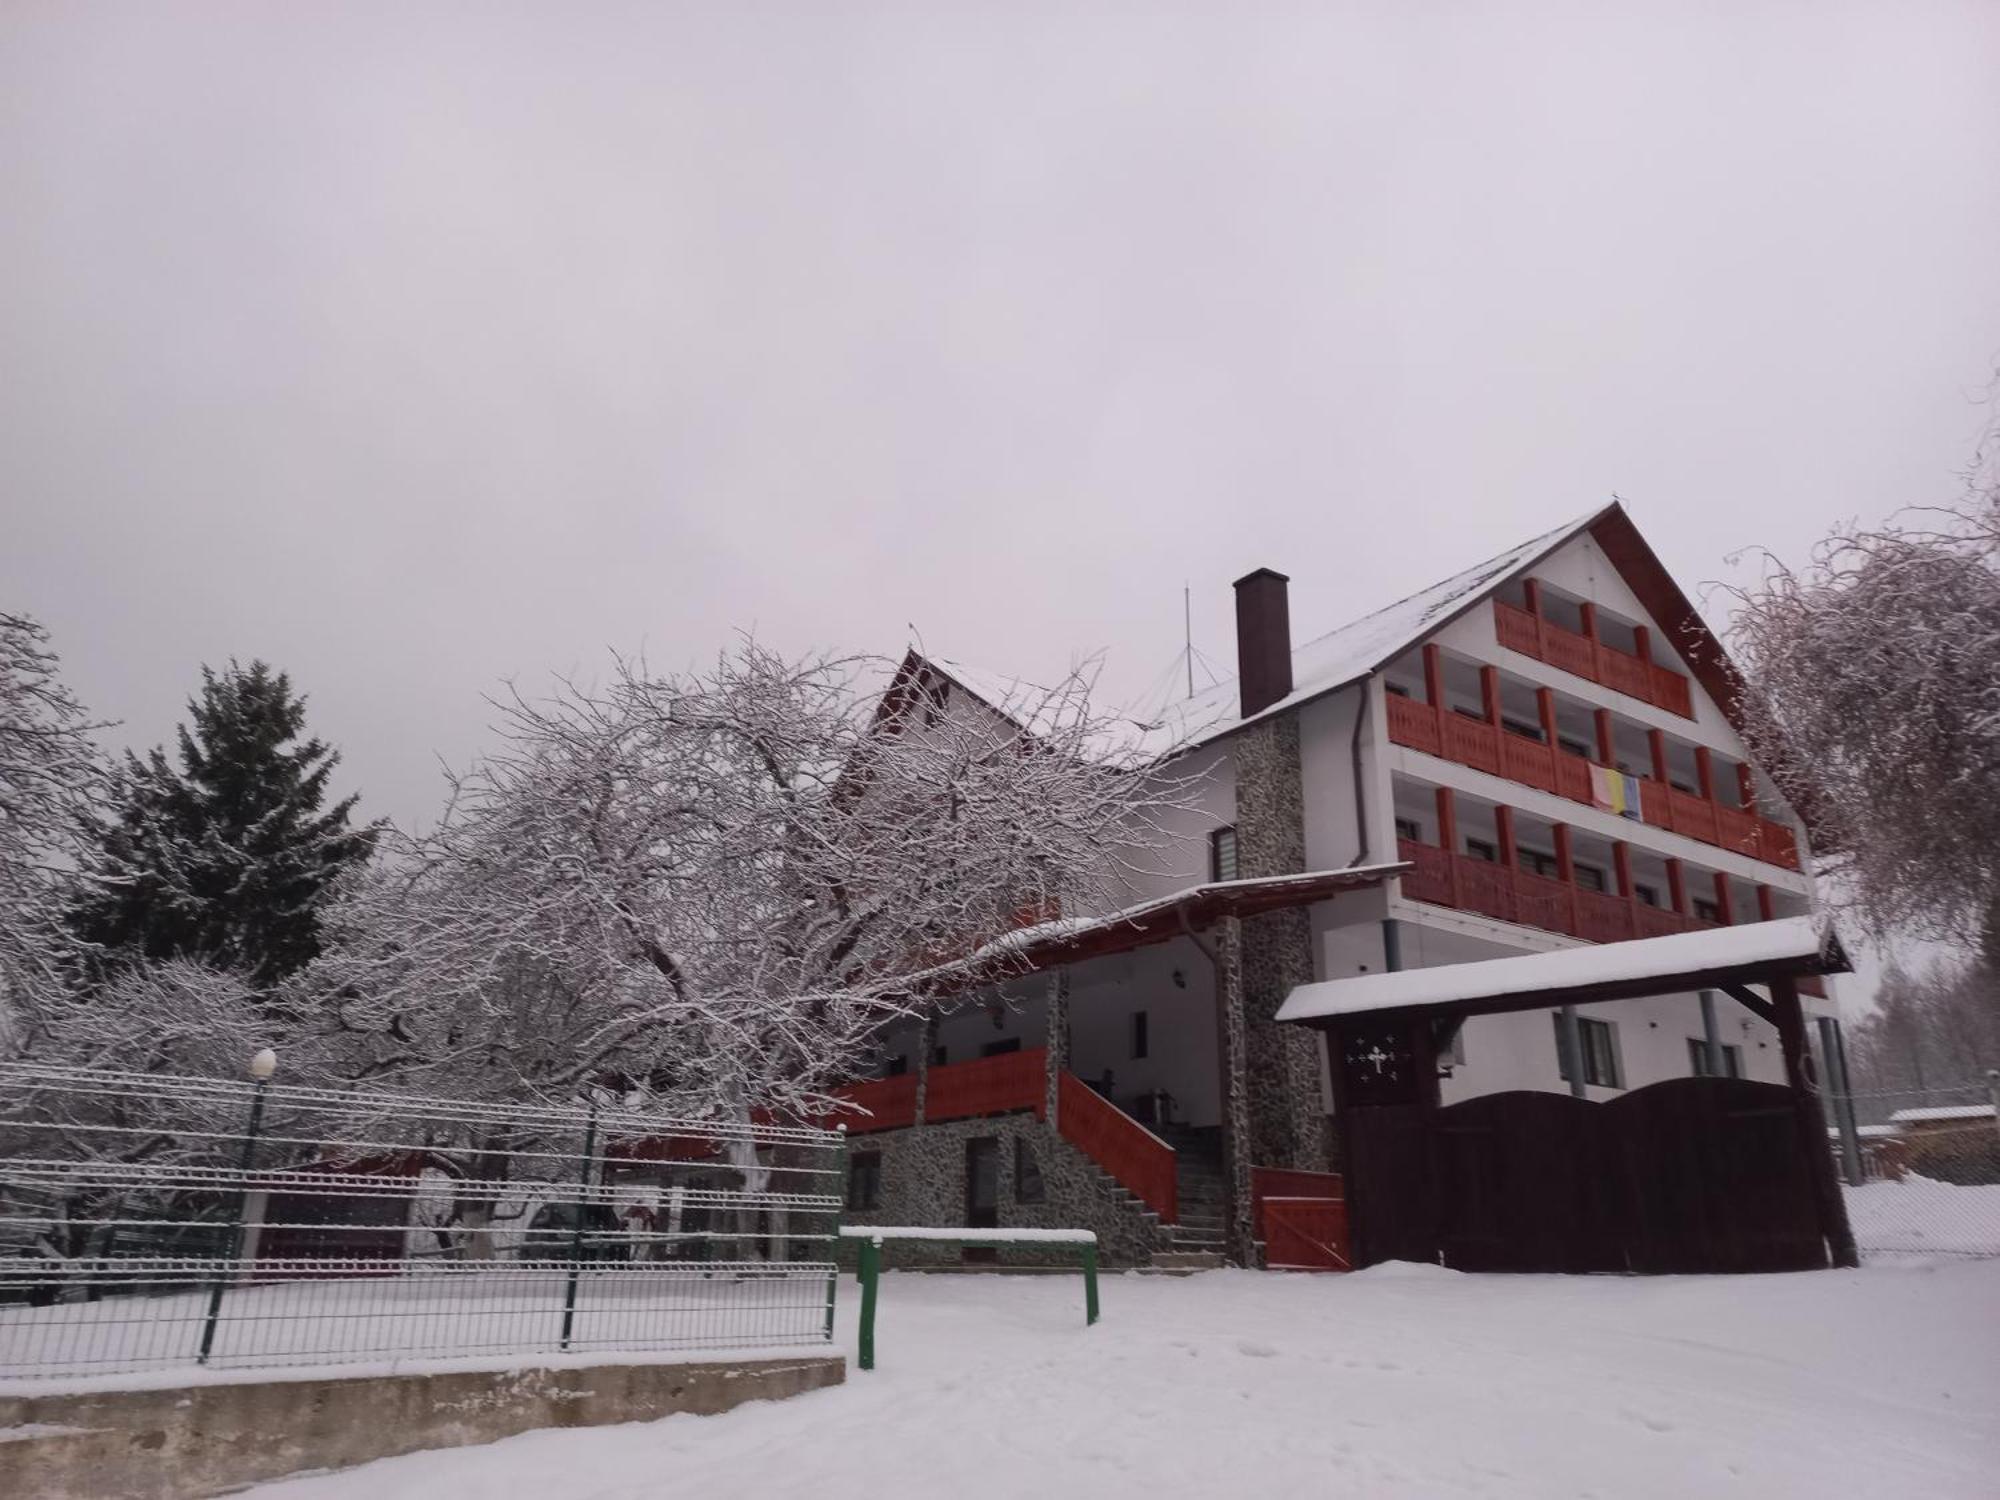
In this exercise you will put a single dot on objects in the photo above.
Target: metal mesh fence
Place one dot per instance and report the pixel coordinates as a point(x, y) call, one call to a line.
point(149, 1222)
point(1922, 1173)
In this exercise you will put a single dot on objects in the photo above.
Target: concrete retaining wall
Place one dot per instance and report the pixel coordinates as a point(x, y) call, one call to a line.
point(181, 1442)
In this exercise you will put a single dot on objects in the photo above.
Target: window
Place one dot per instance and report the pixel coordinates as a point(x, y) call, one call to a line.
point(1648, 895)
point(1524, 729)
point(1732, 1059)
point(897, 1066)
point(1002, 1047)
point(1222, 854)
point(1409, 828)
point(1589, 877)
point(1481, 849)
point(1598, 1041)
point(1027, 1173)
point(1574, 747)
point(1139, 1037)
point(1707, 911)
point(864, 1180)
point(1395, 689)
point(1538, 863)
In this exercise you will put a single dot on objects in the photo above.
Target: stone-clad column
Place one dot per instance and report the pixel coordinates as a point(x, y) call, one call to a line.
point(1058, 1043)
point(1238, 1235)
point(1288, 1119)
point(926, 1049)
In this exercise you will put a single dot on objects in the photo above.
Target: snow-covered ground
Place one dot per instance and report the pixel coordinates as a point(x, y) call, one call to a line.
point(1400, 1381)
point(1919, 1217)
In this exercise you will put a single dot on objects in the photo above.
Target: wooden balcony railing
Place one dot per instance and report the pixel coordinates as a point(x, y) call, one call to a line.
point(1483, 746)
point(1593, 660)
point(891, 1104)
point(987, 1086)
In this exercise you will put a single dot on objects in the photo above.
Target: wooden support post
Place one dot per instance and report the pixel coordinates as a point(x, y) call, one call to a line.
point(1834, 1228)
point(1489, 704)
point(1657, 743)
point(1434, 678)
point(1766, 907)
point(1607, 740)
point(1503, 823)
point(1642, 646)
point(1566, 871)
point(1677, 890)
point(1621, 864)
point(1725, 903)
point(1447, 808)
point(1704, 773)
point(1545, 710)
point(1589, 613)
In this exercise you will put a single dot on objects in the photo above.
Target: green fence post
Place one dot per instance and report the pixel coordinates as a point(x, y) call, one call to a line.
point(833, 1247)
point(247, 1160)
point(1089, 1285)
point(869, 1261)
point(576, 1233)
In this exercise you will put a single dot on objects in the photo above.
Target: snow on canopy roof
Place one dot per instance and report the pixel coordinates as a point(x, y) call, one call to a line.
point(1942, 1112)
point(1319, 666)
point(1796, 945)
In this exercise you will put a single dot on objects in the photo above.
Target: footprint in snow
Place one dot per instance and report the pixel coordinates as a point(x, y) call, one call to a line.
point(1255, 1350)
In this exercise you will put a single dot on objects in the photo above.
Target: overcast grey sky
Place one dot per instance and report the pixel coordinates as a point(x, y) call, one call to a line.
point(413, 346)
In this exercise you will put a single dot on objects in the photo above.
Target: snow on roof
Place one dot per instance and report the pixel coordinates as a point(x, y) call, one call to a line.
point(1717, 948)
point(1942, 1112)
point(1319, 666)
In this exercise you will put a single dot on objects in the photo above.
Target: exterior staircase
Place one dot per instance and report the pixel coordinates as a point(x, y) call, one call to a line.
point(1198, 1242)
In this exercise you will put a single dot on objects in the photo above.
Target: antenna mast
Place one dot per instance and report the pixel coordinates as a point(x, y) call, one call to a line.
point(1187, 636)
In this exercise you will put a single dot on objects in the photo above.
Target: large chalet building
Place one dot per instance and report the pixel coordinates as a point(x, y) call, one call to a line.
point(1535, 754)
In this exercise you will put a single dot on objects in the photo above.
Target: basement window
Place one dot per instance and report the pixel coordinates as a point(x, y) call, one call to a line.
point(864, 1180)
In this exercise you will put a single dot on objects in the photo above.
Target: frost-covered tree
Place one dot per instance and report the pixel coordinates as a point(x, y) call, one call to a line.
point(1873, 695)
point(49, 776)
point(715, 887)
point(228, 856)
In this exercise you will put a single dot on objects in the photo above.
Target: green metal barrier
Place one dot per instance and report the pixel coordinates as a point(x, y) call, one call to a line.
point(868, 1265)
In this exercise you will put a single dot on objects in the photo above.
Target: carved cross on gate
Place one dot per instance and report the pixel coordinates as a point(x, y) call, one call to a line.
point(1377, 1057)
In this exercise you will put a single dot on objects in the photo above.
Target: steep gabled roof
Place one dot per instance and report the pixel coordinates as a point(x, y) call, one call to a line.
point(1357, 649)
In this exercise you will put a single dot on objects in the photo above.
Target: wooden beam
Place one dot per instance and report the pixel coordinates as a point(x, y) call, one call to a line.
point(1607, 740)
point(1447, 811)
point(1725, 903)
point(1434, 677)
point(1545, 710)
point(1566, 869)
point(1503, 823)
point(1704, 773)
point(1751, 1001)
point(1677, 889)
point(1767, 910)
point(1791, 1024)
point(1657, 743)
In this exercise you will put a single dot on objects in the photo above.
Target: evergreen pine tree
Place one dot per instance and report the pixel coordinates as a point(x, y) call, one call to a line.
point(227, 857)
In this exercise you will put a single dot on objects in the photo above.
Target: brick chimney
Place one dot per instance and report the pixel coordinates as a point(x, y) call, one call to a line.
point(1263, 639)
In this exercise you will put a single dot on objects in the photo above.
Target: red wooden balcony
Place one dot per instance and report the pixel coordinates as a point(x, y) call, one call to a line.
point(1470, 742)
point(1602, 918)
point(1413, 724)
point(1593, 660)
point(1692, 816)
point(891, 1104)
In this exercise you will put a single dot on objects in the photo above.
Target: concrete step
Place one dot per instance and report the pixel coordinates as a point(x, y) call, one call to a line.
point(1185, 1262)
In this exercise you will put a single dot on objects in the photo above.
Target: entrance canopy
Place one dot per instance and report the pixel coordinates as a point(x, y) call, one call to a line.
point(1716, 958)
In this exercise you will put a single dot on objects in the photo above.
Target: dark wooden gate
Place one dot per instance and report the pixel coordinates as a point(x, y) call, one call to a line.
point(1691, 1175)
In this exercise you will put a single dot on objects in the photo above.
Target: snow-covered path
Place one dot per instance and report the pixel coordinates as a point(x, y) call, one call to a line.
point(1402, 1381)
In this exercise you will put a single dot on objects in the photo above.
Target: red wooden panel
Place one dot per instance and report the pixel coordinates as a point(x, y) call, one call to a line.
point(1736, 829)
point(1776, 844)
point(1431, 879)
point(1568, 650)
point(1655, 922)
point(1572, 777)
point(1670, 691)
point(1516, 629)
point(1692, 816)
point(1413, 724)
point(987, 1086)
point(1541, 902)
point(1486, 888)
point(1470, 743)
point(1603, 918)
point(1306, 1234)
point(1655, 803)
point(891, 1104)
point(1624, 673)
point(1288, 1182)
point(1527, 762)
point(1137, 1159)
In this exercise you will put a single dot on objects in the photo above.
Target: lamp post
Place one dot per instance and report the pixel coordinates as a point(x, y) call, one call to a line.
point(260, 1068)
